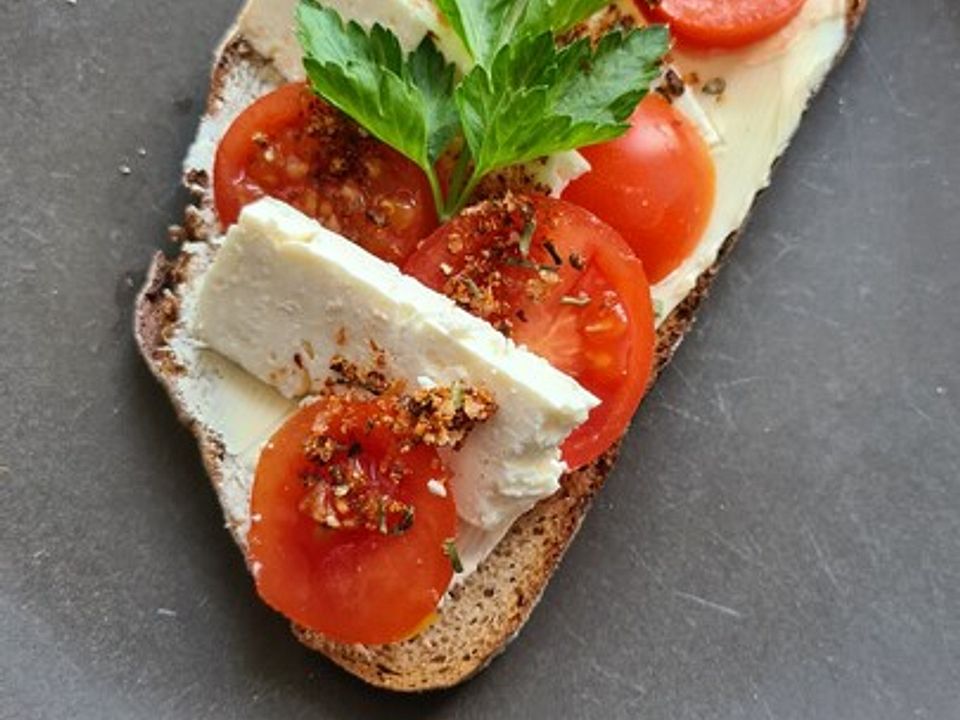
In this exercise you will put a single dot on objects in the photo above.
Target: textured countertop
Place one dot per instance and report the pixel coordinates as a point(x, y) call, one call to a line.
point(780, 540)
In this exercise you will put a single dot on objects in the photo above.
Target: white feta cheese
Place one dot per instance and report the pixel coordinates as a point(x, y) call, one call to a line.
point(268, 27)
point(437, 488)
point(284, 295)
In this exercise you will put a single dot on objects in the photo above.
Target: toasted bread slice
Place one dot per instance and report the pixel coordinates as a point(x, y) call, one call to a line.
point(484, 612)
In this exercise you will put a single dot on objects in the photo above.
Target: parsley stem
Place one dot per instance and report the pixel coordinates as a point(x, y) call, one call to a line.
point(457, 179)
point(463, 197)
point(438, 200)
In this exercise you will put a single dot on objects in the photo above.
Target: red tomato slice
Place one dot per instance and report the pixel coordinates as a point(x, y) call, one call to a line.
point(293, 146)
point(360, 585)
point(723, 23)
point(556, 279)
point(655, 185)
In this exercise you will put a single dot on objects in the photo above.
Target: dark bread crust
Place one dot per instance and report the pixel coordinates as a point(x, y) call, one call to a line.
point(489, 608)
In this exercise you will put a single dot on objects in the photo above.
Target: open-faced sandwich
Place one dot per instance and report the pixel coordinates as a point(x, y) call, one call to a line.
point(437, 254)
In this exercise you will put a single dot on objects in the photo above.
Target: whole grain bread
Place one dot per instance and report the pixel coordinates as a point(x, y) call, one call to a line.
point(481, 615)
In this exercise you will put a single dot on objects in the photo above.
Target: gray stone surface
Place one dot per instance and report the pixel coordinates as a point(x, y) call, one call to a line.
point(780, 540)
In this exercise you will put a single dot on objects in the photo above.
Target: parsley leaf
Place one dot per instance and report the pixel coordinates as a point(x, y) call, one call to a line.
point(405, 101)
point(433, 76)
point(486, 26)
point(537, 100)
point(604, 85)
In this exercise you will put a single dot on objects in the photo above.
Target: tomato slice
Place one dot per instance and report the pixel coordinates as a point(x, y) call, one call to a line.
point(558, 280)
point(374, 573)
point(723, 23)
point(293, 146)
point(655, 185)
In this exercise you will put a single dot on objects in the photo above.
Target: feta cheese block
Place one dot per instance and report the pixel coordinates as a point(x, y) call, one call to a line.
point(284, 296)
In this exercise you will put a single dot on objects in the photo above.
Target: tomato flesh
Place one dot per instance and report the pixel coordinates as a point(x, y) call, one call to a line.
point(558, 280)
point(293, 146)
point(655, 185)
point(359, 584)
point(723, 23)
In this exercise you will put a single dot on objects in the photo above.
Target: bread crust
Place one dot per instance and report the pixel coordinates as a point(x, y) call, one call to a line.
point(481, 615)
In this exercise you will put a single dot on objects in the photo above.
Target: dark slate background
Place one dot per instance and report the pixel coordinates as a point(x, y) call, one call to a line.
point(780, 540)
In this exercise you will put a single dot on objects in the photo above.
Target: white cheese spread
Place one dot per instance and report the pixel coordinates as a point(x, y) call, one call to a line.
point(285, 295)
point(766, 90)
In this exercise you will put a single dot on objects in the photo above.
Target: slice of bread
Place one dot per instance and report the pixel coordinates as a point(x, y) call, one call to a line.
point(484, 612)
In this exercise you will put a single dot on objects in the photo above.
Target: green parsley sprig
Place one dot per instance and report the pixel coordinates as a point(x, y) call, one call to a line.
point(487, 26)
point(525, 98)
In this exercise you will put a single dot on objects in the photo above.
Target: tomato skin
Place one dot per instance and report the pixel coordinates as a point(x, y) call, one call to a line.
point(723, 23)
point(356, 586)
point(656, 186)
point(291, 145)
point(606, 345)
